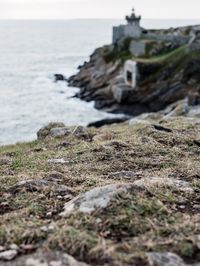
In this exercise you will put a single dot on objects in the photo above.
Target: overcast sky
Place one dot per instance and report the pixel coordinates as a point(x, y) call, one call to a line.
point(68, 9)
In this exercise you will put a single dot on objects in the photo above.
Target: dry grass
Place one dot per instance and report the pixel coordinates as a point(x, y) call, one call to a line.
point(156, 220)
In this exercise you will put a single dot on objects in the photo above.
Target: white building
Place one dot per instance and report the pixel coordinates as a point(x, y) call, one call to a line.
point(130, 73)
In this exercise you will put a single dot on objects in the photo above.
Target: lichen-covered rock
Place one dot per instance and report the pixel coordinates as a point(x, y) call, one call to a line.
point(59, 131)
point(94, 199)
point(8, 255)
point(157, 182)
point(45, 131)
point(164, 259)
point(45, 259)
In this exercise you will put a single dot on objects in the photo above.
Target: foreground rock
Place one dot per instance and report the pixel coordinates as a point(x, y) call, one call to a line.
point(165, 259)
point(158, 182)
point(8, 255)
point(45, 259)
point(94, 199)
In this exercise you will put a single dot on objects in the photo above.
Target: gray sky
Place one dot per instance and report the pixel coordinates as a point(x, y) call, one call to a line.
point(68, 9)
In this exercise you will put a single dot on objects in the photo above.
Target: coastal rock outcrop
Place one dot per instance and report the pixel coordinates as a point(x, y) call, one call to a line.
point(167, 72)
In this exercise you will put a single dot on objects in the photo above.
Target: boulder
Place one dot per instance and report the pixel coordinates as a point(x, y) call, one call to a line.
point(45, 131)
point(39, 258)
point(59, 131)
point(8, 255)
point(97, 198)
point(164, 259)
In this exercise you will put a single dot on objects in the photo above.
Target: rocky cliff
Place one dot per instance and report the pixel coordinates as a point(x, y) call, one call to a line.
point(168, 69)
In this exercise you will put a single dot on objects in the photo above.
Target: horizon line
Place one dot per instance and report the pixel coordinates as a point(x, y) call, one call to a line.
point(70, 19)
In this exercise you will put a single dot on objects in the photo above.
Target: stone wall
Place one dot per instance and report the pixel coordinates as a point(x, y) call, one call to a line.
point(181, 40)
point(118, 33)
point(134, 31)
point(137, 48)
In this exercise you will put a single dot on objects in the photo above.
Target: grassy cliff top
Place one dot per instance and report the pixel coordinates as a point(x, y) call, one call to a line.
point(153, 216)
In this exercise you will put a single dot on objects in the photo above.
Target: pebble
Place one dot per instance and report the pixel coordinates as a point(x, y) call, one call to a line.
point(58, 161)
point(8, 255)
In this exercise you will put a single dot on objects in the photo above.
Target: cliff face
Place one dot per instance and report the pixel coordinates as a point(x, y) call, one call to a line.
point(167, 70)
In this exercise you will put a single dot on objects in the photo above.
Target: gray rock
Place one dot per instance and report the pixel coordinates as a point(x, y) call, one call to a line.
point(51, 258)
point(59, 132)
point(57, 161)
point(156, 182)
point(45, 131)
point(8, 255)
point(96, 198)
point(164, 259)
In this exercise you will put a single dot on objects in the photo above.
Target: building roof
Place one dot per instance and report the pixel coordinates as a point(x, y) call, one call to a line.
point(132, 18)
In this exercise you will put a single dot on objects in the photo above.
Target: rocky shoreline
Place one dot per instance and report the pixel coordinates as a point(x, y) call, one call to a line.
point(167, 72)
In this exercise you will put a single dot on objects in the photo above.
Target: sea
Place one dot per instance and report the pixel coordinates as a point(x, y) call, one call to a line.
point(31, 52)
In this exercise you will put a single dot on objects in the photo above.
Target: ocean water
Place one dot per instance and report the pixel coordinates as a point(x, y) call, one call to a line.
point(31, 52)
